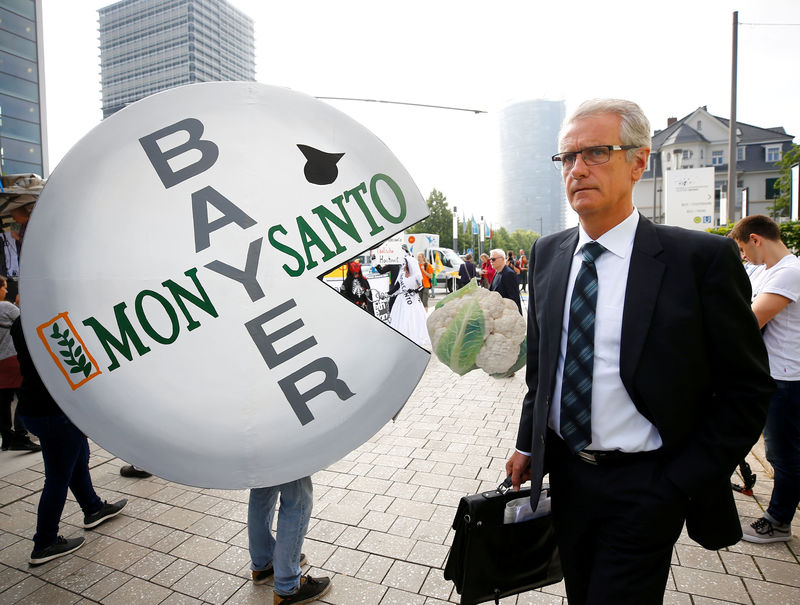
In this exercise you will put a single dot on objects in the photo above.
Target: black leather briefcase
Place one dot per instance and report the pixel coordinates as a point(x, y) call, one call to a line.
point(490, 560)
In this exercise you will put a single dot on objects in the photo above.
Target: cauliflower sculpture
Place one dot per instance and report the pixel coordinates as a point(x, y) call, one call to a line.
point(475, 328)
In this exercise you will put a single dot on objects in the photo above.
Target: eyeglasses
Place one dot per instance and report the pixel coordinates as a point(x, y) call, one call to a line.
point(592, 156)
point(494, 258)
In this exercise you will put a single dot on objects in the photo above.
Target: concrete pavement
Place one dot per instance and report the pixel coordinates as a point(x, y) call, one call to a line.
point(380, 526)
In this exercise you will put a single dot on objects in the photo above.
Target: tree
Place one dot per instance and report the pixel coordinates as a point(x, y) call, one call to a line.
point(514, 241)
point(783, 202)
point(440, 220)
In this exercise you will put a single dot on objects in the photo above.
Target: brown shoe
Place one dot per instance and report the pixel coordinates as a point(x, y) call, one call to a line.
point(310, 590)
point(262, 576)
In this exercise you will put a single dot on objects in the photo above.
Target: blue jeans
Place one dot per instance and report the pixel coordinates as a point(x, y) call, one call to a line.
point(65, 452)
point(782, 441)
point(293, 516)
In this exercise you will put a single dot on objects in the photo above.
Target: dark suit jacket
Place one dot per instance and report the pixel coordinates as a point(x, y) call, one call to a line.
point(508, 286)
point(692, 360)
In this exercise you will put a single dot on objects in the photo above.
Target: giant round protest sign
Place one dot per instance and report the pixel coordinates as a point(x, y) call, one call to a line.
point(171, 286)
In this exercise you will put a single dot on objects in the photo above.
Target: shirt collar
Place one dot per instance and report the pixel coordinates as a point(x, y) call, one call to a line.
point(618, 240)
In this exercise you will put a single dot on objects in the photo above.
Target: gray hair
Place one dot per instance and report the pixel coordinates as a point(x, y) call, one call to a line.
point(497, 252)
point(634, 126)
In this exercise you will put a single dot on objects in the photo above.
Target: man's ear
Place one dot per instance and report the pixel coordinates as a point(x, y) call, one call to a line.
point(639, 162)
point(756, 239)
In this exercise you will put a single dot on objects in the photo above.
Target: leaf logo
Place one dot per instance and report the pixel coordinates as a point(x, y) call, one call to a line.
point(68, 350)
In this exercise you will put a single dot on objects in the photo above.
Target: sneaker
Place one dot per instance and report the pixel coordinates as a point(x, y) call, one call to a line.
point(131, 471)
point(104, 514)
point(263, 575)
point(310, 590)
point(763, 530)
point(59, 548)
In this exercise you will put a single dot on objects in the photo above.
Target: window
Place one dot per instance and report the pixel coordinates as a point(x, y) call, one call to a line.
point(687, 154)
point(773, 153)
point(699, 125)
point(716, 158)
point(771, 189)
point(740, 154)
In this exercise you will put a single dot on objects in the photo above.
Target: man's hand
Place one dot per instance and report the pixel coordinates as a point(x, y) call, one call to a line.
point(519, 467)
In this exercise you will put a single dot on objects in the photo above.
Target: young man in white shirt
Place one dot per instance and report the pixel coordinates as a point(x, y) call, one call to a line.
point(775, 305)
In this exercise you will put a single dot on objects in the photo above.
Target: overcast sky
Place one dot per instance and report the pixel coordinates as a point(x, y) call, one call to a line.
point(670, 57)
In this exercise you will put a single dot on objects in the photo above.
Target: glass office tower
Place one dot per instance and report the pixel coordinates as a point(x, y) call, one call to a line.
point(532, 193)
point(23, 132)
point(150, 45)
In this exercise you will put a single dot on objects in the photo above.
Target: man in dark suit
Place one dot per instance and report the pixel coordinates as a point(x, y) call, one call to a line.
point(647, 375)
point(505, 279)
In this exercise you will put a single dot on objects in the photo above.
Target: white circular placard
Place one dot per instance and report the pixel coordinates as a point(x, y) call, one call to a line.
point(171, 294)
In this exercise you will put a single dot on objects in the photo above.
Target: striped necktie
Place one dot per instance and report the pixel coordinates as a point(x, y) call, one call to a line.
point(576, 388)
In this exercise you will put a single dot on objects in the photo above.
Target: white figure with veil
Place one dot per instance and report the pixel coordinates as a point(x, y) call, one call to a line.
point(408, 315)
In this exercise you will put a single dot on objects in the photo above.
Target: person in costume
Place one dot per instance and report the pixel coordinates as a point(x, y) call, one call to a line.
point(355, 287)
point(408, 315)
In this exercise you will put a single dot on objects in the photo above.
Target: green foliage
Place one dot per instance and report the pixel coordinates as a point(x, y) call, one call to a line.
point(440, 220)
point(514, 241)
point(790, 234)
point(784, 185)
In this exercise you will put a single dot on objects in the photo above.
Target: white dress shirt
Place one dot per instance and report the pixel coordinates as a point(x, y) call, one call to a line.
point(616, 423)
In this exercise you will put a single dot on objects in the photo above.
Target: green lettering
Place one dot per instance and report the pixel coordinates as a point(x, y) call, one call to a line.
point(345, 223)
point(376, 199)
point(179, 293)
point(355, 193)
point(108, 340)
point(301, 265)
point(173, 317)
point(311, 239)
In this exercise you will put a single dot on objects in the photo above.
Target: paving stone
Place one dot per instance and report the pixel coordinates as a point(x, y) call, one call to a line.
point(197, 581)
point(50, 594)
point(737, 564)
point(385, 545)
point(536, 597)
point(768, 593)
point(378, 521)
point(699, 558)
point(223, 589)
point(672, 597)
point(19, 591)
point(343, 513)
point(150, 565)
point(137, 591)
point(200, 550)
point(345, 561)
point(394, 596)
point(120, 555)
point(173, 572)
point(106, 586)
point(779, 572)
point(710, 584)
point(232, 560)
point(375, 568)
point(406, 576)
point(346, 590)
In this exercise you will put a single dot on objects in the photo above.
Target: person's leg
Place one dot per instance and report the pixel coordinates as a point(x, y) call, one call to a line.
point(59, 455)
point(782, 442)
point(260, 512)
point(6, 430)
point(616, 526)
point(293, 516)
point(80, 483)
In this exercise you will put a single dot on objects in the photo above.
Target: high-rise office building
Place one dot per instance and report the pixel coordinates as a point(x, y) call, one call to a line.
point(532, 193)
point(151, 45)
point(23, 132)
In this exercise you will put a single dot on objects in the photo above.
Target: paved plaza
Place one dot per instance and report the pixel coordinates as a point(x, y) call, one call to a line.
point(380, 526)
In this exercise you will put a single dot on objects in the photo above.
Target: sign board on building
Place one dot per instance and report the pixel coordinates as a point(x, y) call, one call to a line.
point(689, 198)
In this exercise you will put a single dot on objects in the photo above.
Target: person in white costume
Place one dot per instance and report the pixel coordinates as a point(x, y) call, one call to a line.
point(408, 315)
